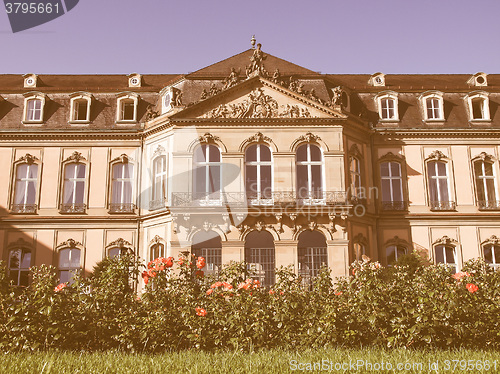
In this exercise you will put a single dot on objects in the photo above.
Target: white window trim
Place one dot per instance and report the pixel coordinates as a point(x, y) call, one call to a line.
point(432, 95)
point(80, 96)
point(33, 96)
point(309, 163)
point(259, 164)
point(486, 106)
point(387, 95)
point(439, 179)
point(122, 97)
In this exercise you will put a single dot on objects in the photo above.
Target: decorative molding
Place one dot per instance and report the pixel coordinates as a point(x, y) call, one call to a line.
point(19, 243)
point(309, 137)
point(483, 156)
point(355, 152)
point(208, 138)
point(436, 156)
point(75, 157)
point(70, 243)
point(256, 105)
point(258, 138)
point(120, 243)
point(397, 241)
point(389, 156)
point(445, 240)
point(360, 239)
point(123, 158)
point(158, 151)
point(156, 240)
point(28, 158)
point(493, 239)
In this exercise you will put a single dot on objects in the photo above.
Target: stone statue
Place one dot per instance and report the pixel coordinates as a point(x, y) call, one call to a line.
point(256, 66)
point(178, 98)
point(204, 94)
point(337, 96)
point(231, 80)
point(213, 90)
point(276, 76)
point(151, 113)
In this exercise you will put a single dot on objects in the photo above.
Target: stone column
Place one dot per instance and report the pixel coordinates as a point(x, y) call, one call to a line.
point(286, 254)
point(338, 257)
point(233, 250)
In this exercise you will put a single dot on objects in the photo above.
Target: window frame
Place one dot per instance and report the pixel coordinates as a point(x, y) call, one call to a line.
point(311, 198)
point(74, 207)
point(121, 207)
point(207, 196)
point(386, 96)
point(122, 99)
point(29, 160)
point(469, 102)
point(29, 97)
point(486, 203)
point(23, 247)
point(443, 247)
point(70, 244)
point(436, 95)
point(392, 204)
point(492, 242)
point(261, 197)
point(397, 246)
point(77, 98)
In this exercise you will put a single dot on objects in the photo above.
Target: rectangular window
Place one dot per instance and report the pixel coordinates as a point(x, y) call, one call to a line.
point(19, 266)
point(445, 254)
point(127, 110)
point(74, 188)
point(388, 111)
point(34, 110)
point(80, 110)
point(69, 263)
point(433, 110)
point(121, 197)
point(439, 195)
point(25, 188)
point(392, 186)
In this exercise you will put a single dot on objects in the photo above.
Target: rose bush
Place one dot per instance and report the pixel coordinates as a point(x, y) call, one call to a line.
point(410, 304)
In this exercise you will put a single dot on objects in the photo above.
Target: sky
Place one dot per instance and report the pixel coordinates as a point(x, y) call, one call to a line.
point(328, 36)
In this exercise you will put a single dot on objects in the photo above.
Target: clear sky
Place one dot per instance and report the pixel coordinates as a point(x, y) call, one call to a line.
point(330, 36)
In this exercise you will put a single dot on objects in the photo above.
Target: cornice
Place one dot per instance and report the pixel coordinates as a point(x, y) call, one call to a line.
point(424, 133)
point(63, 135)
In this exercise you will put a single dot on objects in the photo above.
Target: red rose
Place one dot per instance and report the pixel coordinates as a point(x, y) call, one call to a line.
point(209, 291)
point(338, 293)
point(271, 292)
point(200, 312)
point(145, 276)
point(200, 263)
point(227, 286)
point(471, 287)
point(60, 287)
point(169, 262)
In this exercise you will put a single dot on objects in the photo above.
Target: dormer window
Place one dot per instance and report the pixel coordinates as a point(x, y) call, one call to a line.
point(30, 80)
point(387, 103)
point(134, 80)
point(33, 108)
point(478, 80)
point(80, 107)
point(432, 104)
point(478, 106)
point(127, 107)
point(377, 80)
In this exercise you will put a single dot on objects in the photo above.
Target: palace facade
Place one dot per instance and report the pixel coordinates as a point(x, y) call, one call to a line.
point(252, 158)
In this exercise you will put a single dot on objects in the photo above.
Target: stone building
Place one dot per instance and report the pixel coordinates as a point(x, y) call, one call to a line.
point(252, 158)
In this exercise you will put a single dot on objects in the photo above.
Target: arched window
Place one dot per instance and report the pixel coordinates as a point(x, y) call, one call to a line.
point(69, 263)
point(122, 174)
point(491, 253)
point(394, 252)
point(207, 244)
point(439, 193)
point(312, 252)
point(432, 103)
point(34, 107)
point(26, 186)
point(446, 254)
point(73, 198)
point(127, 103)
point(355, 175)
point(207, 172)
point(486, 187)
point(258, 173)
point(309, 173)
point(392, 186)
point(157, 250)
point(80, 107)
point(387, 102)
point(260, 257)
point(19, 266)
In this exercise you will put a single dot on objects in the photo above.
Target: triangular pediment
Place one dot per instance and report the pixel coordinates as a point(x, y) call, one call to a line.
point(258, 98)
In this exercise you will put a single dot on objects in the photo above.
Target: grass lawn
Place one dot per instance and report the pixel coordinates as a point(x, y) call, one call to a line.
point(269, 361)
